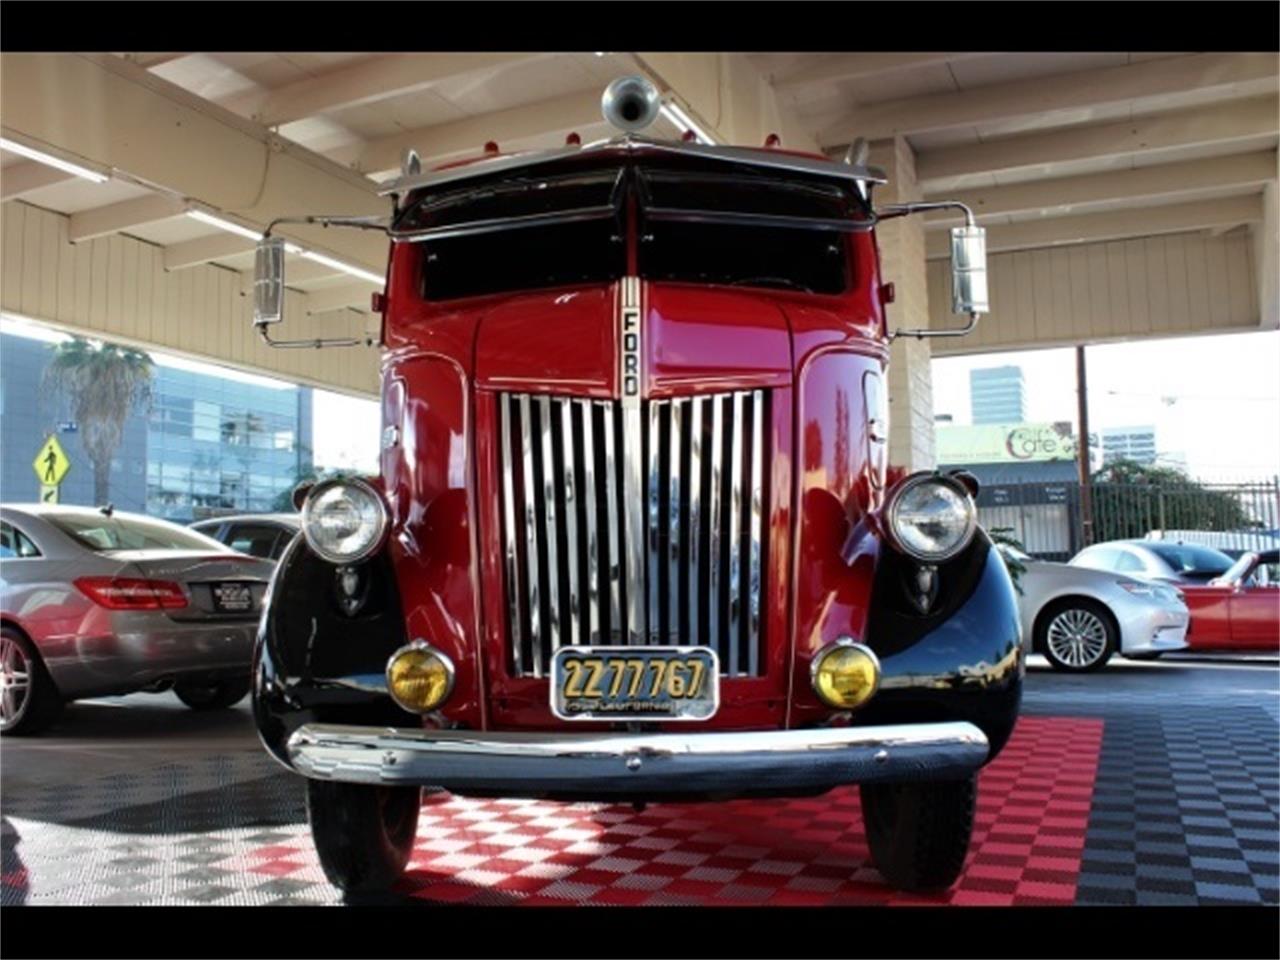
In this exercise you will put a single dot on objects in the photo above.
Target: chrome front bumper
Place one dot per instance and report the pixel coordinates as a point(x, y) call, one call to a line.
point(621, 765)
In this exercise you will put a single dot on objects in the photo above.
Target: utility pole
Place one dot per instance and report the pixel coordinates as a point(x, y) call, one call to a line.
point(1082, 448)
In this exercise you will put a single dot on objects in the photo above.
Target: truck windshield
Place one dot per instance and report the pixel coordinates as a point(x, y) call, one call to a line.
point(535, 232)
point(749, 231)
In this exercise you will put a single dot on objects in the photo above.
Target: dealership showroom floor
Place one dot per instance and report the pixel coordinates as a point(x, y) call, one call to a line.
point(1147, 784)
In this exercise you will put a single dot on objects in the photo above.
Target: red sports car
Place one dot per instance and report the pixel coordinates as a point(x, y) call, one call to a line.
point(1239, 610)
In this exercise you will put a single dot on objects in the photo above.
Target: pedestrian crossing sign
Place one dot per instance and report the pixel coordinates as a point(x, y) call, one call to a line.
point(51, 463)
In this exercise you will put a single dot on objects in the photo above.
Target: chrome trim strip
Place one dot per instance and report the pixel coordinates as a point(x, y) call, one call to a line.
point(612, 765)
point(734, 532)
point(633, 469)
point(509, 532)
point(755, 157)
point(755, 543)
point(673, 525)
point(549, 520)
point(531, 535)
point(716, 523)
point(573, 625)
point(695, 515)
point(590, 499)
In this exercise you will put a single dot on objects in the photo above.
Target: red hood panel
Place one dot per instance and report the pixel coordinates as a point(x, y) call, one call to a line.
point(695, 339)
point(713, 340)
point(561, 343)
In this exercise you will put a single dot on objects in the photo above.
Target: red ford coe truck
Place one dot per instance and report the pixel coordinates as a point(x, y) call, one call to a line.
point(634, 536)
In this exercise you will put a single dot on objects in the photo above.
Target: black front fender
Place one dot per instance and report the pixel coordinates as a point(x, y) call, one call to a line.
point(962, 661)
point(312, 662)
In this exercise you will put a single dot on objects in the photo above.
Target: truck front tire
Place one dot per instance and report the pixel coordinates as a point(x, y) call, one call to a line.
point(919, 832)
point(363, 834)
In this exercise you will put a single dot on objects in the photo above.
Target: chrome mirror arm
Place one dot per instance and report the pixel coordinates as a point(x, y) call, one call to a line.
point(371, 222)
point(316, 343)
point(889, 212)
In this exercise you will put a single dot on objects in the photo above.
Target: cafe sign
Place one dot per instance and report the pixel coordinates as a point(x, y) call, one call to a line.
point(1006, 443)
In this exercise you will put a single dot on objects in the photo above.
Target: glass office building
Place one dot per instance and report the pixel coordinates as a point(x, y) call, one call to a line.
point(208, 444)
point(997, 395)
point(218, 445)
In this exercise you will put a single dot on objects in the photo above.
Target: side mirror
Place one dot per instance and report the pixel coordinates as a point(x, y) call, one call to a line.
point(268, 282)
point(969, 270)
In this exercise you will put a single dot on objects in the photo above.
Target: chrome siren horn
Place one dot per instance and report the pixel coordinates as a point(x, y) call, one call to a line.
point(630, 103)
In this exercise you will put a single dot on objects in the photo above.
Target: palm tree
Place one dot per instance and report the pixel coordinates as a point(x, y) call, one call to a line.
point(101, 383)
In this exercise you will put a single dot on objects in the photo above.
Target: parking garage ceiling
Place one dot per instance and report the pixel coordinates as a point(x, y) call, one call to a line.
point(1048, 148)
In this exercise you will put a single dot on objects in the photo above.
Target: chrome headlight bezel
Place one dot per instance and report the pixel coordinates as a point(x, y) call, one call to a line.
point(383, 520)
point(891, 516)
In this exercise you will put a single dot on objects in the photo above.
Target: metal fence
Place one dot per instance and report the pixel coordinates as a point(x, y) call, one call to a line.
point(1048, 519)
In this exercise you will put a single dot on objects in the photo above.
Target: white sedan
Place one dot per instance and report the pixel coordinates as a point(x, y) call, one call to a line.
point(1078, 617)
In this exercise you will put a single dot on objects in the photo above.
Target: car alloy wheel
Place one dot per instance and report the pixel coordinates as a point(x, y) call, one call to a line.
point(1077, 638)
point(15, 682)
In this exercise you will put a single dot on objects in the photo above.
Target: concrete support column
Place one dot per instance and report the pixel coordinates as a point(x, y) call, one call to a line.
point(1266, 258)
point(902, 260)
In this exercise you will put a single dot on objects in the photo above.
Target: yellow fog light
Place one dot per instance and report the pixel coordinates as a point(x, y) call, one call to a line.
point(419, 678)
point(845, 674)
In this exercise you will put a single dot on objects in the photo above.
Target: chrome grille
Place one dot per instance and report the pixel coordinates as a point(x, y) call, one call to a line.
point(690, 574)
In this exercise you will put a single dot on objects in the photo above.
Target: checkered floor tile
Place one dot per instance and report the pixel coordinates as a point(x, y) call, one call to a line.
point(249, 843)
point(1185, 809)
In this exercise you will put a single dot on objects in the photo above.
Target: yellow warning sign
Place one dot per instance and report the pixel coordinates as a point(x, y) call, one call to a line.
point(48, 493)
point(51, 463)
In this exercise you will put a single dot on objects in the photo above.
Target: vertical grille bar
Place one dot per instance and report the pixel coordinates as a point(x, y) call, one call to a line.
point(674, 578)
point(715, 524)
point(695, 516)
point(648, 478)
point(655, 484)
point(549, 516)
point(612, 517)
point(509, 533)
point(573, 628)
point(590, 497)
point(531, 534)
point(756, 493)
point(633, 507)
point(733, 530)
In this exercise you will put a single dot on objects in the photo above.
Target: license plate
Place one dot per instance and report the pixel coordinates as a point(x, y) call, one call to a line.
point(232, 598)
point(624, 683)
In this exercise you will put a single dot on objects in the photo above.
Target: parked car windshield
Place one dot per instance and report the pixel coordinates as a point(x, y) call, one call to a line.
point(1196, 563)
point(103, 534)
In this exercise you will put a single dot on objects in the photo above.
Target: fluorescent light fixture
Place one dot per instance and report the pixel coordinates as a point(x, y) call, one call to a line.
point(673, 112)
point(226, 225)
point(51, 161)
point(343, 267)
point(253, 235)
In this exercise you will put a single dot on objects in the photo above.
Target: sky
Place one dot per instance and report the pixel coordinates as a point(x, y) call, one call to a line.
point(1214, 400)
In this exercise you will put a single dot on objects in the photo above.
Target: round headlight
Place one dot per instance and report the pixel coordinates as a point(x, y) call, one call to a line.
point(343, 521)
point(419, 677)
point(845, 674)
point(931, 517)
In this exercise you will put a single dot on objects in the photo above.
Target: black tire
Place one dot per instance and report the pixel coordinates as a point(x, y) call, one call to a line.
point(363, 835)
point(919, 832)
point(1076, 635)
point(29, 693)
point(212, 694)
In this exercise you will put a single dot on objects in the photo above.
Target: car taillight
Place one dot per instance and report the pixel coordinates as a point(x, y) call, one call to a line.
point(133, 593)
